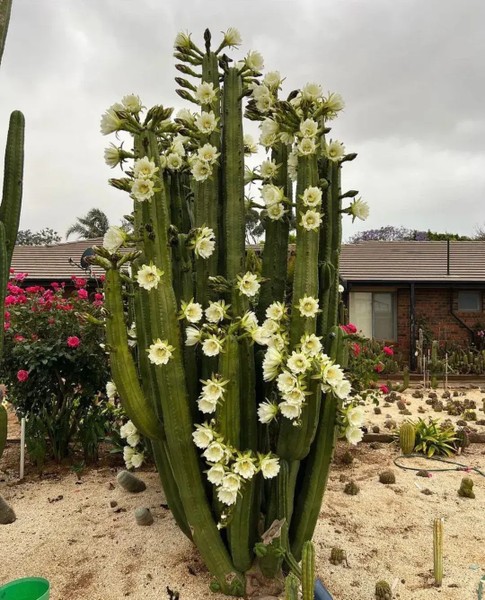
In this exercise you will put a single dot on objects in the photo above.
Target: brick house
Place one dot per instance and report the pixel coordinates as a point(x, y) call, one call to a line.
point(393, 288)
point(45, 264)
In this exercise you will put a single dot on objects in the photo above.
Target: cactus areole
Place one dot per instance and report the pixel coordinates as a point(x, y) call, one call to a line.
point(238, 374)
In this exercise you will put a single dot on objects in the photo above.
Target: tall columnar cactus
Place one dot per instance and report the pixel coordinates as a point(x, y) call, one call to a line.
point(12, 177)
point(438, 551)
point(237, 377)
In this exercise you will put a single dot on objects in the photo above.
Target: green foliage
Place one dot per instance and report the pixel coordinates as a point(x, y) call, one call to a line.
point(44, 237)
point(55, 366)
point(369, 361)
point(94, 224)
point(432, 438)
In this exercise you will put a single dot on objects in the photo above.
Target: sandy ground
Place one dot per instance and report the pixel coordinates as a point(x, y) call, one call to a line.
point(67, 532)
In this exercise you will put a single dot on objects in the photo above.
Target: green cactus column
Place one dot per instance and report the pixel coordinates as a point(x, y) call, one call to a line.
point(237, 378)
point(12, 178)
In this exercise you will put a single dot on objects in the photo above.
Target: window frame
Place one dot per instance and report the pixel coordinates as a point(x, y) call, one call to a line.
point(478, 295)
point(373, 292)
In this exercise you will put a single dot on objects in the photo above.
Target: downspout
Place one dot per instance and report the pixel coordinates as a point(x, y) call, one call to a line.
point(453, 314)
point(412, 326)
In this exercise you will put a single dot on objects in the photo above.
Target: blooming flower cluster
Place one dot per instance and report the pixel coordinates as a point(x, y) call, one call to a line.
point(143, 185)
point(229, 468)
point(352, 419)
point(132, 455)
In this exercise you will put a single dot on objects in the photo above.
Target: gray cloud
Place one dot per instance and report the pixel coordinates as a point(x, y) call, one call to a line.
point(411, 72)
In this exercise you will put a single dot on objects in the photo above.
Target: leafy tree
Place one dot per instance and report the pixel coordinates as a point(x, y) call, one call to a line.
point(94, 224)
point(389, 233)
point(44, 237)
point(479, 233)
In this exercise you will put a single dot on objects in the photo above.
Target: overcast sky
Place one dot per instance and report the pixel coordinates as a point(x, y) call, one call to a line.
point(412, 74)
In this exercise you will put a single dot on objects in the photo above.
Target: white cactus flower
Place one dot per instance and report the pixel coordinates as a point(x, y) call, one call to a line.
point(142, 189)
point(334, 150)
point(226, 496)
point(312, 197)
point(144, 168)
point(202, 436)
point(192, 336)
point(160, 352)
point(308, 128)
point(216, 473)
point(114, 238)
point(290, 410)
point(311, 220)
point(148, 277)
point(354, 435)
point(270, 466)
point(248, 284)
point(212, 346)
point(205, 93)
point(255, 61)
point(132, 103)
point(206, 122)
point(308, 307)
point(192, 311)
point(267, 412)
point(298, 362)
point(110, 122)
point(111, 390)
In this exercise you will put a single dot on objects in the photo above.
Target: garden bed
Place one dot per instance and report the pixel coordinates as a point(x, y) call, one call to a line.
point(67, 531)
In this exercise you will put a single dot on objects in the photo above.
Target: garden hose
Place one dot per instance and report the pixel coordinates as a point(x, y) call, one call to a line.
point(458, 466)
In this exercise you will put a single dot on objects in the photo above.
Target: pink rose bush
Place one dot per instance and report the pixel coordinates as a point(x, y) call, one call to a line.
point(54, 363)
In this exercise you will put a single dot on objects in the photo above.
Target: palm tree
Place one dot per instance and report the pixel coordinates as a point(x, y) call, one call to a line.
point(94, 224)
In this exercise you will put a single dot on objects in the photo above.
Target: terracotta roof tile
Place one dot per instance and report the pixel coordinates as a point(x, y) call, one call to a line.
point(364, 261)
point(414, 261)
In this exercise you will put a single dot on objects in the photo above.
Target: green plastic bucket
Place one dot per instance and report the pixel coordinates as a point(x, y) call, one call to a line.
point(28, 588)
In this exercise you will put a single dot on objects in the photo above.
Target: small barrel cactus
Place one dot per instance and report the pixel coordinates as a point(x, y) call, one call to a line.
point(462, 438)
point(383, 590)
point(130, 482)
point(337, 556)
point(407, 437)
point(351, 488)
point(466, 488)
point(387, 477)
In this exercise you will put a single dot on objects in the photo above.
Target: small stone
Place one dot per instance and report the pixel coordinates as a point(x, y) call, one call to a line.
point(7, 514)
point(143, 516)
point(427, 492)
point(375, 429)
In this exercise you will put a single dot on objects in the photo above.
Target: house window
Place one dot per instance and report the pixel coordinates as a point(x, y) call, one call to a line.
point(469, 300)
point(374, 313)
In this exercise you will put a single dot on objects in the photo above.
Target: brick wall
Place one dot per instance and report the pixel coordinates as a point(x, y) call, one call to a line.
point(433, 309)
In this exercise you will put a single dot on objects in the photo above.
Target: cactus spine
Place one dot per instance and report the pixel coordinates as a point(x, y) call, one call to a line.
point(438, 550)
point(221, 350)
point(12, 178)
point(407, 437)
